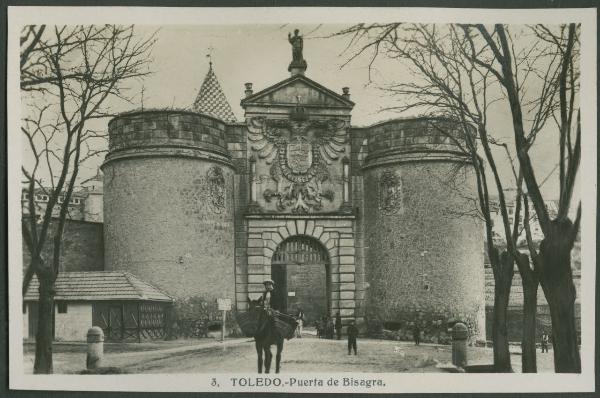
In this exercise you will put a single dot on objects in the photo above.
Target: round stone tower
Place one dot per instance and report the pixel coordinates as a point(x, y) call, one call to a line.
point(424, 241)
point(168, 202)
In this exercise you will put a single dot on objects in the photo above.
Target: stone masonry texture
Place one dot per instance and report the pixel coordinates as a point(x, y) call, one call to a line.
point(403, 246)
point(168, 216)
point(82, 247)
point(424, 257)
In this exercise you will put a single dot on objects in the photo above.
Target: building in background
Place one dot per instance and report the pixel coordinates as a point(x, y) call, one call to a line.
point(125, 307)
point(85, 203)
point(515, 306)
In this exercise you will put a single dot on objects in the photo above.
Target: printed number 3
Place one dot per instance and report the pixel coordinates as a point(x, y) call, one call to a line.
point(214, 383)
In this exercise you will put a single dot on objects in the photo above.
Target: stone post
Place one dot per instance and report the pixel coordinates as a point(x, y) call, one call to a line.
point(95, 348)
point(248, 90)
point(460, 333)
point(346, 92)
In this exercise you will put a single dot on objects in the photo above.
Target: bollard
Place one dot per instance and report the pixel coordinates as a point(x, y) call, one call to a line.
point(95, 348)
point(460, 333)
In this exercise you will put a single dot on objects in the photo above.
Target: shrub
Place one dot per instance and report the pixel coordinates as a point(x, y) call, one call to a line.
point(193, 316)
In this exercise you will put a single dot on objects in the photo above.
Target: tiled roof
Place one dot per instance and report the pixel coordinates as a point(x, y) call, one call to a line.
point(211, 100)
point(99, 285)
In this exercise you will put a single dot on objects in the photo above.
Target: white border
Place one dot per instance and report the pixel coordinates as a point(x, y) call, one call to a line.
point(18, 16)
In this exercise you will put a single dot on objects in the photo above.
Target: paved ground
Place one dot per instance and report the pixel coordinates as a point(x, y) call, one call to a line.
point(308, 354)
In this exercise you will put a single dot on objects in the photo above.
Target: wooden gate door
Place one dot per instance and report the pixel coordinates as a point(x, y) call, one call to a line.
point(116, 322)
point(109, 317)
point(301, 265)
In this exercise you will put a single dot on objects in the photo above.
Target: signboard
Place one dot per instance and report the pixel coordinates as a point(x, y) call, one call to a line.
point(224, 304)
point(291, 294)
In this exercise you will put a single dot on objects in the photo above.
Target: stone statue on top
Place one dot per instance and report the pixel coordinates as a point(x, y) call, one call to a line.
point(298, 64)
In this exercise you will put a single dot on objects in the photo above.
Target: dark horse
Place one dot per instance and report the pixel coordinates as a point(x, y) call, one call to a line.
point(259, 323)
point(266, 336)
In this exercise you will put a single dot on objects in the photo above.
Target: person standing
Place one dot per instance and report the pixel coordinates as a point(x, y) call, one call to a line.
point(300, 319)
point(330, 328)
point(352, 332)
point(545, 342)
point(321, 325)
point(338, 325)
point(417, 333)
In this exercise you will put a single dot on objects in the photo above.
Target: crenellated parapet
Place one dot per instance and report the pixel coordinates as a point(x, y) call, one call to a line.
point(168, 202)
point(167, 133)
point(415, 139)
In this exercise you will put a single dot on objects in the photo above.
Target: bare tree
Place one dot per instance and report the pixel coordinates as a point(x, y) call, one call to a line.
point(449, 77)
point(67, 75)
point(553, 258)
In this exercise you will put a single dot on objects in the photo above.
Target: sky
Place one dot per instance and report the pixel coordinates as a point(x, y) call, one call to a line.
point(260, 54)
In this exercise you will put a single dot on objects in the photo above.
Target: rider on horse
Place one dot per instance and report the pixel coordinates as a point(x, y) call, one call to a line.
point(266, 296)
point(267, 326)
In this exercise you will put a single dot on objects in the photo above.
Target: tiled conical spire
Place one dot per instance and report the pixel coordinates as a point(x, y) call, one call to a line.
point(211, 100)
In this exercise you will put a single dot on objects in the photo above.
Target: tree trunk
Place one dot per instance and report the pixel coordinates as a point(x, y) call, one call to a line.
point(44, 335)
point(528, 348)
point(557, 282)
point(503, 281)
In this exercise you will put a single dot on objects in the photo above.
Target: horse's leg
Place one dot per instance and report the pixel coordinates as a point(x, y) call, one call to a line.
point(278, 356)
point(259, 353)
point(268, 357)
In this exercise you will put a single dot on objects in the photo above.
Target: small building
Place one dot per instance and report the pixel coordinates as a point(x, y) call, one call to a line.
point(125, 307)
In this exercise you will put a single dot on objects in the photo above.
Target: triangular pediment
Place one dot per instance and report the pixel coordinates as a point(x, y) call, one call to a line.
point(298, 89)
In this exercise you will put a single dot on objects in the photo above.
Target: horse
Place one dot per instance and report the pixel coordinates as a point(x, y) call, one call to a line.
point(258, 323)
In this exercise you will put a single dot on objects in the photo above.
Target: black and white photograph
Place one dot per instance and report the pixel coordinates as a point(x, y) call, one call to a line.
point(301, 199)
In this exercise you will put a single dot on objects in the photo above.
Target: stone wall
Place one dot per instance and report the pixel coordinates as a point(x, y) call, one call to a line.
point(74, 324)
point(82, 247)
point(162, 130)
point(168, 203)
point(425, 254)
point(358, 154)
point(236, 143)
point(515, 306)
point(335, 233)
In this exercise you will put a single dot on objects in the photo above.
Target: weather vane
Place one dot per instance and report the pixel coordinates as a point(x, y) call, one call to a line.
point(142, 97)
point(209, 55)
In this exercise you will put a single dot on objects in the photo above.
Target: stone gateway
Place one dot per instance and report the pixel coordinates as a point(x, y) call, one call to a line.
point(371, 222)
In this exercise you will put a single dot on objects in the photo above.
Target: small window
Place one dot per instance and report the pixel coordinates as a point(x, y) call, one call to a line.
point(62, 308)
point(24, 308)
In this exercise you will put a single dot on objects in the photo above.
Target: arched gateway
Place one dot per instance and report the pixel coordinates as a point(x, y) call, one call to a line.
point(300, 268)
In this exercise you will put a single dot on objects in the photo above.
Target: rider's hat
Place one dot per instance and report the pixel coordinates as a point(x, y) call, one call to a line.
point(269, 281)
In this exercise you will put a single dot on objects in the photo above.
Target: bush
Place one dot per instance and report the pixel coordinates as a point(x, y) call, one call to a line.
point(192, 318)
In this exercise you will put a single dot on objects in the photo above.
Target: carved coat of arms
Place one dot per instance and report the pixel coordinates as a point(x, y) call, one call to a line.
point(216, 189)
point(299, 153)
point(390, 192)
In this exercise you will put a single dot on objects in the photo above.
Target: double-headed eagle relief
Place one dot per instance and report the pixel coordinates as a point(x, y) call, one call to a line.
point(299, 152)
